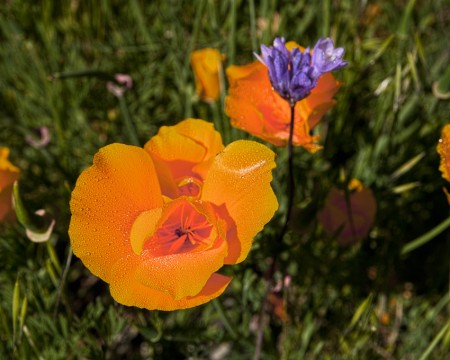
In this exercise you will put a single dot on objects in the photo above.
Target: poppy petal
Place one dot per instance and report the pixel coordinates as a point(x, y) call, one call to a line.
point(177, 150)
point(127, 291)
point(239, 179)
point(443, 148)
point(107, 199)
point(206, 64)
point(143, 227)
point(8, 172)
point(6, 203)
point(181, 274)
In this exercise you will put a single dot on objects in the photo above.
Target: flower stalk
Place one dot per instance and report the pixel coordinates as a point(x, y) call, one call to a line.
point(291, 183)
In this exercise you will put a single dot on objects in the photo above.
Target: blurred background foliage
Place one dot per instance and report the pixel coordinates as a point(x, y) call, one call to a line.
point(373, 300)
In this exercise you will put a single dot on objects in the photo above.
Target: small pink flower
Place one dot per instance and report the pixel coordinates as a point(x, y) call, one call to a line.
point(125, 81)
point(43, 139)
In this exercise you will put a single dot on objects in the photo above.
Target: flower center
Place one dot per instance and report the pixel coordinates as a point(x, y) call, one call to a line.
point(183, 229)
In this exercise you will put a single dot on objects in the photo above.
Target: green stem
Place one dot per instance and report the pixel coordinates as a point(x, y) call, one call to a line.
point(253, 25)
point(232, 35)
point(291, 185)
point(430, 235)
point(62, 281)
point(131, 130)
point(326, 10)
point(190, 48)
point(219, 308)
point(217, 119)
point(271, 270)
point(82, 73)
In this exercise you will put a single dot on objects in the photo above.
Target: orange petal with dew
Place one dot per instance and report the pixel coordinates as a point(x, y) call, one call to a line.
point(236, 72)
point(126, 290)
point(181, 274)
point(203, 133)
point(239, 179)
point(144, 227)
point(176, 150)
point(107, 199)
point(443, 148)
point(252, 104)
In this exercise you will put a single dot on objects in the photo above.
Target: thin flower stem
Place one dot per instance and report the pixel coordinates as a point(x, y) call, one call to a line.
point(131, 130)
point(262, 323)
point(271, 271)
point(62, 281)
point(232, 32)
point(253, 25)
point(217, 118)
point(226, 323)
point(291, 185)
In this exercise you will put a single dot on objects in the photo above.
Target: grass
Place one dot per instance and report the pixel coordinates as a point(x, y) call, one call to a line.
point(374, 300)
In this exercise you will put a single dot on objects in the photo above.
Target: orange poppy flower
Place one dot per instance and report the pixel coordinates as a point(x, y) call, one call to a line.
point(206, 64)
point(8, 175)
point(158, 223)
point(360, 205)
point(255, 107)
point(443, 148)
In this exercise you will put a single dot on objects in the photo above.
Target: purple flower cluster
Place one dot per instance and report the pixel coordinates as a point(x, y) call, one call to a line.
point(293, 74)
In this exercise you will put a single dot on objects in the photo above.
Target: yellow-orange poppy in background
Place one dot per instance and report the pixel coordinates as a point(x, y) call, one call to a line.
point(443, 148)
point(255, 107)
point(350, 217)
point(158, 223)
point(206, 64)
point(8, 175)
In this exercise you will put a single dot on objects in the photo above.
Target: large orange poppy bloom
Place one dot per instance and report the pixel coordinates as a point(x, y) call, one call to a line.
point(158, 223)
point(206, 64)
point(255, 107)
point(8, 175)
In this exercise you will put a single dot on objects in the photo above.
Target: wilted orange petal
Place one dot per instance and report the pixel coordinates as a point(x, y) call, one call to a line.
point(443, 148)
point(6, 203)
point(255, 107)
point(107, 199)
point(236, 72)
point(335, 215)
point(127, 291)
point(239, 179)
point(326, 88)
